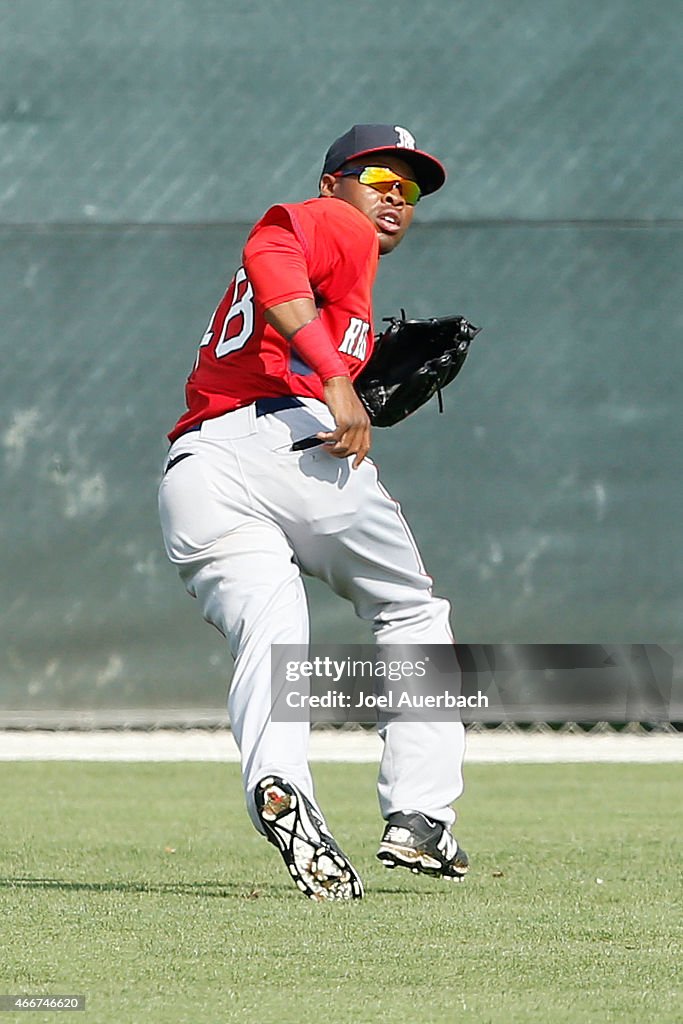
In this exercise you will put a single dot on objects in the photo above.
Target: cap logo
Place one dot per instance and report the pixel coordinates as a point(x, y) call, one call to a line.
point(405, 139)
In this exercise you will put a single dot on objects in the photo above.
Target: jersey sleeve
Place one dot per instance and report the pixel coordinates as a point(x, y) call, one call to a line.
point(316, 249)
point(276, 265)
point(275, 259)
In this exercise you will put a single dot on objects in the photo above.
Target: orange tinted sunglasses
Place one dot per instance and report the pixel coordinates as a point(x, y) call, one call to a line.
point(383, 179)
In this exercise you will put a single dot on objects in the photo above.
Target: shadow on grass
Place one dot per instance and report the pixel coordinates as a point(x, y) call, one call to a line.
point(211, 889)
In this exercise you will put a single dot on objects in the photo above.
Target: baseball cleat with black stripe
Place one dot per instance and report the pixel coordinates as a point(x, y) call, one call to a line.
point(314, 860)
point(427, 847)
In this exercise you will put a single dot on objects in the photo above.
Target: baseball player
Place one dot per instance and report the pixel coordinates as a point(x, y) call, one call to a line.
point(268, 477)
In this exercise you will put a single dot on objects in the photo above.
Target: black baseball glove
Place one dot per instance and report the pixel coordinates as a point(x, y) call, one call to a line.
point(412, 360)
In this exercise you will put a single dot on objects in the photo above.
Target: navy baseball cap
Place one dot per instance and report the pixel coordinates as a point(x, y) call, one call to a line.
point(364, 139)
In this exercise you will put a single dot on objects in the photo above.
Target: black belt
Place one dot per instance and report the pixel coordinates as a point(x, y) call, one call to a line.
point(266, 405)
point(263, 407)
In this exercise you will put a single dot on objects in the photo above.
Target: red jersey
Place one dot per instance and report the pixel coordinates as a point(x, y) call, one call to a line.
point(324, 249)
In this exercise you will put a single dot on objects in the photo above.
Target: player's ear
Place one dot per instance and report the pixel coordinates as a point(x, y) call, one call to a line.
point(328, 184)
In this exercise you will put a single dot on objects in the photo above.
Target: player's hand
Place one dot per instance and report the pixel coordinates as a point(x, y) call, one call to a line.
point(352, 435)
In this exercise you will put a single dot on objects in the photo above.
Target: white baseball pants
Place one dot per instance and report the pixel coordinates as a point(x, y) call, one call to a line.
point(242, 516)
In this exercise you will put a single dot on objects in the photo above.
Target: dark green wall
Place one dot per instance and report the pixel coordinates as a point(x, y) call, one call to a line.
point(138, 141)
point(203, 110)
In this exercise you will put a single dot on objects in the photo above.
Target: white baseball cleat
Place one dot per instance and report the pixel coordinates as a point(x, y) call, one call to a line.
point(314, 860)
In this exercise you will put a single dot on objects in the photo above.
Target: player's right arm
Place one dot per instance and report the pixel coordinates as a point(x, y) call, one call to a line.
point(276, 264)
point(298, 322)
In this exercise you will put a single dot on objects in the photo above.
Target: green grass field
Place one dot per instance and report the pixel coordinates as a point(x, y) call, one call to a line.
point(144, 888)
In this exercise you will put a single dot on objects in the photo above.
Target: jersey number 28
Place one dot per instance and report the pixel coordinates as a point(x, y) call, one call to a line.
point(240, 317)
